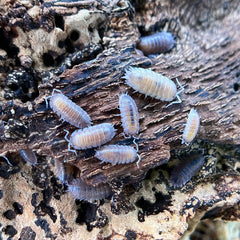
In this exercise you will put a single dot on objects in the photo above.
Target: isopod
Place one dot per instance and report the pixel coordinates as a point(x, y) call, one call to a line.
point(80, 190)
point(157, 43)
point(186, 169)
point(117, 154)
point(91, 137)
point(68, 110)
point(153, 84)
point(191, 128)
point(29, 156)
point(129, 115)
point(66, 172)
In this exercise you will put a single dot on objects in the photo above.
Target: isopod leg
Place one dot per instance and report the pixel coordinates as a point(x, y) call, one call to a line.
point(125, 136)
point(139, 159)
point(56, 90)
point(138, 137)
point(6, 160)
point(69, 143)
point(71, 150)
point(134, 141)
point(177, 95)
point(46, 98)
point(183, 142)
point(67, 132)
point(178, 101)
point(181, 86)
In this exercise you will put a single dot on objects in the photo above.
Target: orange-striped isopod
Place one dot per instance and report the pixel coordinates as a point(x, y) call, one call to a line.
point(129, 115)
point(117, 154)
point(80, 190)
point(91, 137)
point(191, 128)
point(68, 110)
point(157, 43)
point(153, 84)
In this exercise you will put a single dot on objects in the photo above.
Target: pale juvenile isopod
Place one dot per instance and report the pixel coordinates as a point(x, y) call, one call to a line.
point(29, 156)
point(153, 84)
point(66, 172)
point(80, 190)
point(191, 128)
point(157, 43)
point(91, 137)
point(129, 115)
point(117, 154)
point(186, 169)
point(68, 110)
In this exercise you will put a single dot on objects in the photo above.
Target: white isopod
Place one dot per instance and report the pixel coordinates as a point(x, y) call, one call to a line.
point(80, 190)
point(129, 115)
point(153, 84)
point(191, 128)
point(91, 137)
point(68, 110)
point(117, 154)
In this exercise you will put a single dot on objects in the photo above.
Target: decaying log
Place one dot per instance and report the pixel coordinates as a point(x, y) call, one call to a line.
point(83, 48)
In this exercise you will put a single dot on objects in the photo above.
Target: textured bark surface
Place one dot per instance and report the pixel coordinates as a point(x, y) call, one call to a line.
point(83, 49)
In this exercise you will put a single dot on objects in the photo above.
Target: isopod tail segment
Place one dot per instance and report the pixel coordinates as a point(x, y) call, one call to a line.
point(177, 95)
point(69, 143)
point(53, 91)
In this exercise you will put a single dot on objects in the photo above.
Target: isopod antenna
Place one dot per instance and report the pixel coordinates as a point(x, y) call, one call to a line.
point(69, 143)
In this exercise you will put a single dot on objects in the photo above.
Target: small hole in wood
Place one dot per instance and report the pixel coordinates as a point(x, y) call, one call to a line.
point(74, 35)
point(61, 44)
point(236, 87)
point(59, 21)
point(48, 60)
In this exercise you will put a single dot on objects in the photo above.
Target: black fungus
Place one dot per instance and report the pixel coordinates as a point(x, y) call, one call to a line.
point(9, 214)
point(18, 208)
point(10, 230)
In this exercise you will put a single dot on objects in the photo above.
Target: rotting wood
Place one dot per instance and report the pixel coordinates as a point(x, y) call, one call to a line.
point(205, 60)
